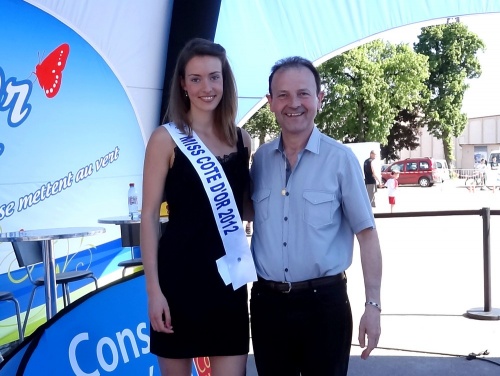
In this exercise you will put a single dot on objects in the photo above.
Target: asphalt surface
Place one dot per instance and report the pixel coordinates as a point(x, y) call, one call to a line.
point(433, 274)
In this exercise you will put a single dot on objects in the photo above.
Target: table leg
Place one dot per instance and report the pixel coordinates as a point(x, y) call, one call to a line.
point(49, 266)
point(130, 234)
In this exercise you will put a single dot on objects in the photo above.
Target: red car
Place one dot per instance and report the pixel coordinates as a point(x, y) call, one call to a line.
point(421, 171)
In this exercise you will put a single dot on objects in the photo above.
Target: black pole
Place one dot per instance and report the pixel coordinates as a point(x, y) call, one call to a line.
point(485, 313)
point(486, 259)
point(481, 313)
point(190, 19)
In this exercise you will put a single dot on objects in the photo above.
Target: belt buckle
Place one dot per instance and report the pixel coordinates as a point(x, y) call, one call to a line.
point(289, 287)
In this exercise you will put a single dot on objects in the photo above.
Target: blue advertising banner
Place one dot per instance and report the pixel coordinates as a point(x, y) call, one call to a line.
point(107, 331)
point(69, 136)
point(104, 332)
point(70, 139)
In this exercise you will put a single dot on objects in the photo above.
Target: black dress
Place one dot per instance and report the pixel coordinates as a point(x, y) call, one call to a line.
point(208, 317)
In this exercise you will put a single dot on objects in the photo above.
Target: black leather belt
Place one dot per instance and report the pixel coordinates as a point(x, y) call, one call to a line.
point(287, 287)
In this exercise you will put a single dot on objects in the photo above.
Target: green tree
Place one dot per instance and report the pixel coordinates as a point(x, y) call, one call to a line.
point(451, 50)
point(262, 124)
point(367, 87)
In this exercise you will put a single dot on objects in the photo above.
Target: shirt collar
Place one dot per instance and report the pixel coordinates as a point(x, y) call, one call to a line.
point(312, 144)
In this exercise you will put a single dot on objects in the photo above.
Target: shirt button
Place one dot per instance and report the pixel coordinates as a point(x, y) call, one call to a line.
point(284, 243)
point(286, 218)
point(286, 270)
point(288, 193)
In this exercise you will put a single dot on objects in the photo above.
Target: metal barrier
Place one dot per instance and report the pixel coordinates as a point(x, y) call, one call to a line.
point(474, 178)
point(486, 312)
point(464, 173)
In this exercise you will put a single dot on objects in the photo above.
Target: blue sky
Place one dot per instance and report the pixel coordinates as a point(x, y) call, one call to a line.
point(483, 96)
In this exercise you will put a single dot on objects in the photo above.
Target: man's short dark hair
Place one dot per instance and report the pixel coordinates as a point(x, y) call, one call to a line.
point(295, 62)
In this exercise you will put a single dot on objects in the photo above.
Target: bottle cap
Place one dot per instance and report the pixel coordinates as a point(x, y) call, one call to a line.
point(131, 184)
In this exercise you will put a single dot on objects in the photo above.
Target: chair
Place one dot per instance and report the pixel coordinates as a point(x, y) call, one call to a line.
point(131, 237)
point(30, 253)
point(6, 296)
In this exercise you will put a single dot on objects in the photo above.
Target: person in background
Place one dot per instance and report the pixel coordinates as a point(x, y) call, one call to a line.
point(310, 202)
point(494, 163)
point(371, 170)
point(193, 312)
point(492, 173)
point(481, 167)
point(392, 186)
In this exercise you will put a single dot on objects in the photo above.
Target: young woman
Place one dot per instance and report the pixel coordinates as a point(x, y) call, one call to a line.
point(193, 312)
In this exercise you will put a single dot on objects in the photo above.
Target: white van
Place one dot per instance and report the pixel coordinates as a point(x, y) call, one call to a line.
point(494, 154)
point(442, 168)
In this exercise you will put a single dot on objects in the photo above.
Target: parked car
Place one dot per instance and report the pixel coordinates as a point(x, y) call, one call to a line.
point(443, 169)
point(384, 167)
point(494, 154)
point(421, 171)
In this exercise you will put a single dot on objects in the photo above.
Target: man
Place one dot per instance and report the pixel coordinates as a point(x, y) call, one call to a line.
point(494, 163)
point(481, 167)
point(309, 201)
point(372, 176)
point(493, 174)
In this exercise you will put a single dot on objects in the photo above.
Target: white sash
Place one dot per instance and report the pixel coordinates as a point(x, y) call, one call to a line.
point(237, 266)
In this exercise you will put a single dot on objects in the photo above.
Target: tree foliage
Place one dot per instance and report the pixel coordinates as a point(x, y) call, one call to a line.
point(367, 87)
point(385, 93)
point(451, 50)
point(262, 124)
point(404, 134)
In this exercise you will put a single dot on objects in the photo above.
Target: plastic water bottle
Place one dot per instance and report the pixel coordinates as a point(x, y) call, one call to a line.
point(133, 206)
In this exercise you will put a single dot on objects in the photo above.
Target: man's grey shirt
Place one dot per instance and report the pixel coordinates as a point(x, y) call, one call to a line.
point(305, 228)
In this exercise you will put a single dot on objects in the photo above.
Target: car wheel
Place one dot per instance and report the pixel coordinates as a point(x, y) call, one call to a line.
point(424, 182)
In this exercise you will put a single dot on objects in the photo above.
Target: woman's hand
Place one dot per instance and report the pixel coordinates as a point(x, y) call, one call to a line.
point(159, 314)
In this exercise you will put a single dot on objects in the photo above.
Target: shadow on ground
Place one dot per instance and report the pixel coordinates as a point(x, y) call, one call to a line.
point(414, 366)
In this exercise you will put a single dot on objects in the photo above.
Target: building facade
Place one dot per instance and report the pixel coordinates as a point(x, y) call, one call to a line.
point(481, 135)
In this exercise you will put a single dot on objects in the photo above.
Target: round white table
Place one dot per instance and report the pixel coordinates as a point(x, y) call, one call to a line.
point(125, 220)
point(47, 237)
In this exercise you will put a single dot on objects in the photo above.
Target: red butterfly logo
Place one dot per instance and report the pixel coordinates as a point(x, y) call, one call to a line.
point(49, 71)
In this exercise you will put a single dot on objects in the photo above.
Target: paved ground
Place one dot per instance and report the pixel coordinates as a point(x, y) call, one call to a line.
point(433, 274)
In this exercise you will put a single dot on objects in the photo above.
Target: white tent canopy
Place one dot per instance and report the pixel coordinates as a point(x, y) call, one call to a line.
point(257, 33)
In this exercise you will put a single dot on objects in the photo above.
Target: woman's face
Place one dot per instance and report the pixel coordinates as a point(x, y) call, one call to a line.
point(203, 82)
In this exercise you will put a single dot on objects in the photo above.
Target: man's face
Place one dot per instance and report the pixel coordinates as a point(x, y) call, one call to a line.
point(294, 100)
